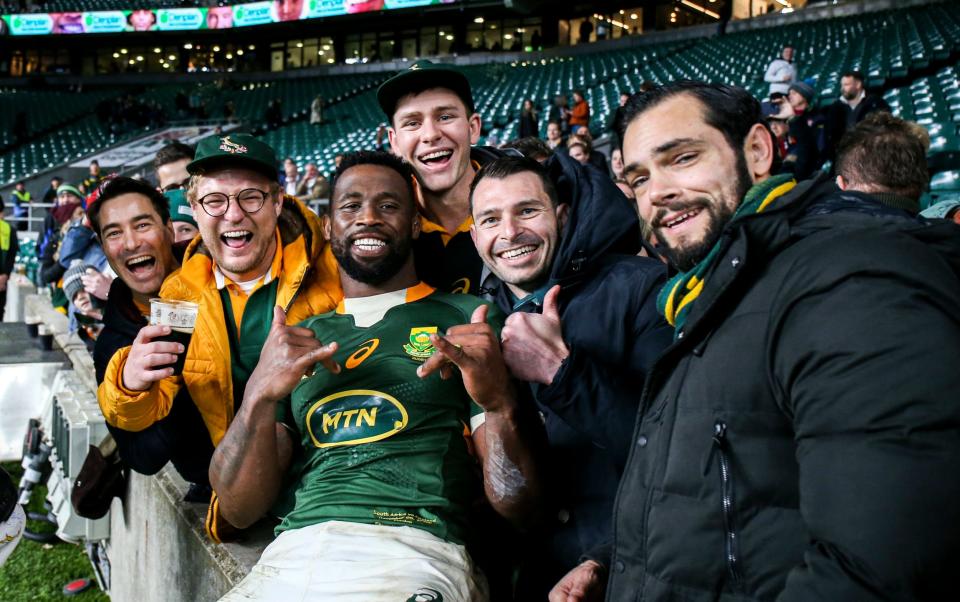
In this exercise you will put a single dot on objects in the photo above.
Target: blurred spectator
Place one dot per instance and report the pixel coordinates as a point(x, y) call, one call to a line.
point(312, 185)
point(50, 196)
point(579, 149)
point(555, 138)
point(181, 216)
point(584, 143)
point(69, 207)
point(529, 121)
point(616, 164)
point(170, 164)
point(616, 169)
point(316, 110)
point(580, 113)
point(803, 158)
point(781, 72)
point(20, 198)
point(382, 140)
point(84, 311)
point(93, 178)
point(616, 119)
point(531, 147)
point(291, 177)
point(851, 108)
point(9, 247)
point(781, 135)
point(560, 113)
point(20, 129)
point(586, 28)
point(273, 115)
point(883, 158)
point(229, 109)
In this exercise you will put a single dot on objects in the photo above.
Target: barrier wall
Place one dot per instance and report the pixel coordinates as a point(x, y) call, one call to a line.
point(156, 549)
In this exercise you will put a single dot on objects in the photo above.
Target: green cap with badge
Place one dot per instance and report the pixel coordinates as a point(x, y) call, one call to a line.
point(420, 76)
point(180, 209)
point(236, 150)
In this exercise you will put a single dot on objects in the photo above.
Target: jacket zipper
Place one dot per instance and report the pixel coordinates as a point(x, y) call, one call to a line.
point(726, 492)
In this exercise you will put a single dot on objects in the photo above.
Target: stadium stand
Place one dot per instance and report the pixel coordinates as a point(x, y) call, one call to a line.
point(893, 46)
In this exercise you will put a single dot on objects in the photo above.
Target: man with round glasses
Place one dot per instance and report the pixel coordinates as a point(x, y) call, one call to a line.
point(257, 249)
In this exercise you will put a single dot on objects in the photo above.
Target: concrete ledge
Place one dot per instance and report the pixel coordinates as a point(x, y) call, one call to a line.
point(157, 550)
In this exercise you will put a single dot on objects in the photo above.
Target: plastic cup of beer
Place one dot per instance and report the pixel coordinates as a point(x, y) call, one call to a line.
point(180, 316)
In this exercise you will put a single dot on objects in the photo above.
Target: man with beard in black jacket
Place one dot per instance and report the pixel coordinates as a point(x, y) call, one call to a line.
point(796, 442)
point(132, 221)
point(560, 246)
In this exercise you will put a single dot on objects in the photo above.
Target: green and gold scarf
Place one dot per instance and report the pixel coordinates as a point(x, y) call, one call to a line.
point(679, 293)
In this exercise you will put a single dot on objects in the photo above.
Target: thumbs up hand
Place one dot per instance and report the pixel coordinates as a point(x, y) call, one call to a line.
point(289, 353)
point(533, 346)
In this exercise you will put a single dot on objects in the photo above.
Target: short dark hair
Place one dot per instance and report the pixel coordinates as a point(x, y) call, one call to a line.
point(730, 109)
point(854, 74)
point(884, 153)
point(384, 159)
point(175, 151)
point(531, 146)
point(119, 185)
point(504, 167)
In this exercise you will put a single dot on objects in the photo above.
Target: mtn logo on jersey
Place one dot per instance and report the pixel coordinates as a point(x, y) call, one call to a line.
point(420, 347)
point(355, 417)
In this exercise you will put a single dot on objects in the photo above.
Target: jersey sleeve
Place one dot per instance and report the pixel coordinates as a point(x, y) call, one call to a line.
point(285, 416)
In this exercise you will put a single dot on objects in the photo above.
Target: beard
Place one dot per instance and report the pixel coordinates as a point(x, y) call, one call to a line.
point(372, 272)
point(687, 257)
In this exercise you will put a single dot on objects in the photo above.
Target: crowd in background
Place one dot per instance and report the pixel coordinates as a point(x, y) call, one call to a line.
point(837, 162)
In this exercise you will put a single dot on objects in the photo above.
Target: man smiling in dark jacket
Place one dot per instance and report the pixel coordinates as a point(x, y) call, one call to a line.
point(560, 245)
point(795, 442)
point(132, 221)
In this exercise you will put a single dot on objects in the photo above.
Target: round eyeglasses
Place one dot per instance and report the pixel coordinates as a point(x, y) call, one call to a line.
point(250, 200)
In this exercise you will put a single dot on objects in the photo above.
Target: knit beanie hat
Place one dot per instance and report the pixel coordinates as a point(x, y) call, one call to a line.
point(71, 189)
point(180, 209)
point(72, 284)
point(805, 90)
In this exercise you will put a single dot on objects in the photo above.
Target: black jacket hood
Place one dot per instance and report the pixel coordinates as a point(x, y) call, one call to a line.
point(600, 219)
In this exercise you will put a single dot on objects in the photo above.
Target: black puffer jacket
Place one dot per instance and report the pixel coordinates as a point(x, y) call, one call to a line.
point(181, 436)
point(800, 441)
point(611, 326)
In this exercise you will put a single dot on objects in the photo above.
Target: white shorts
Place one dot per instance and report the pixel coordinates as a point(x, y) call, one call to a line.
point(11, 530)
point(355, 562)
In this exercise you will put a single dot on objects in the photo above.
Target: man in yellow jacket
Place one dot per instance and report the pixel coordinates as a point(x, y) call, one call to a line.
point(257, 249)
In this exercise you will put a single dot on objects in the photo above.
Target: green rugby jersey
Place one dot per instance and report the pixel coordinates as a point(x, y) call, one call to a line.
point(381, 445)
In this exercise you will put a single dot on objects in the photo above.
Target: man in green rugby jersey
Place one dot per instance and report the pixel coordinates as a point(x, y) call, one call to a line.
point(388, 432)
